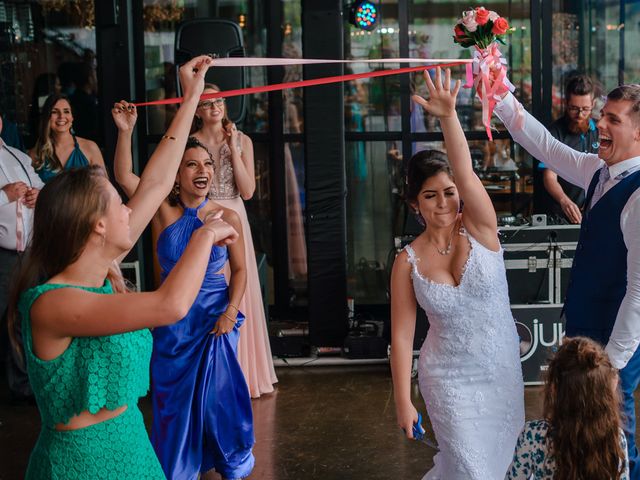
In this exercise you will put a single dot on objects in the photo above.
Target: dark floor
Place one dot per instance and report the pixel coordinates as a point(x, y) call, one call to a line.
point(321, 423)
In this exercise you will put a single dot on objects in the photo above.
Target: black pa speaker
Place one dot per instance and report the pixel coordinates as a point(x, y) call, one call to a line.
point(221, 38)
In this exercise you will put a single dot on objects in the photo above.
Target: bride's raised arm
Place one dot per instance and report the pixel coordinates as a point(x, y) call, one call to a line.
point(479, 216)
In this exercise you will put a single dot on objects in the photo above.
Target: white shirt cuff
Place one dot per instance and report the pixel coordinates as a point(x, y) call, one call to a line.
point(619, 355)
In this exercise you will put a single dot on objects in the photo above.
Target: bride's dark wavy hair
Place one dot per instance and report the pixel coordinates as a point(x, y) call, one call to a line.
point(422, 166)
point(583, 412)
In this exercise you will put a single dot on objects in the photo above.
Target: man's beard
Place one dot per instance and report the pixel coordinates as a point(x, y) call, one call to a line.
point(578, 126)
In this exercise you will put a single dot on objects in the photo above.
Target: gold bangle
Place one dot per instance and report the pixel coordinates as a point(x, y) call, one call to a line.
point(225, 314)
point(168, 137)
point(233, 306)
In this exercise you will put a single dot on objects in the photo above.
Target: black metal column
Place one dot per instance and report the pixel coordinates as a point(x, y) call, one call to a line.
point(322, 37)
point(405, 83)
point(115, 73)
point(276, 162)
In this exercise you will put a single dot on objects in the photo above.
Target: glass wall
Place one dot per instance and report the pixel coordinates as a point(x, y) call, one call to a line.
point(597, 37)
point(430, 36)
point(47, 47)
point(373, 104)
point(384, 126)
point(293, 156)
point(373, 205)
point(161, 19)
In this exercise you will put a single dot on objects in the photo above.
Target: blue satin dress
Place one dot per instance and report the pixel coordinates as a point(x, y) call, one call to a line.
point(77, 159)
point(202, 416)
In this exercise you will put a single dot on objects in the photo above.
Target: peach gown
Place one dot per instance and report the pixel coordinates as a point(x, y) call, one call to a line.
point(254, 350)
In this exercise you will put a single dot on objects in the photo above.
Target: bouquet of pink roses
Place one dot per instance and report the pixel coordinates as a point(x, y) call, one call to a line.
point(482, 29)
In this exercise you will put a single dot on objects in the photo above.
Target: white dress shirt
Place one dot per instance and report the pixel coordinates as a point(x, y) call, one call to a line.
point(11, 172)
point(579, 168)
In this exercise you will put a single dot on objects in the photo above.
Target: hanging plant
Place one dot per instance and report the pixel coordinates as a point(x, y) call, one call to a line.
point(160, 12)
point(83, 10)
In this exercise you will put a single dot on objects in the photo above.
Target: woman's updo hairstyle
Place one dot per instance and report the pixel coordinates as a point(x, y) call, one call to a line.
point(422, 166)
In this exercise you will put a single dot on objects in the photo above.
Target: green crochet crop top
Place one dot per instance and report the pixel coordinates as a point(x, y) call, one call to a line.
point(92, 373)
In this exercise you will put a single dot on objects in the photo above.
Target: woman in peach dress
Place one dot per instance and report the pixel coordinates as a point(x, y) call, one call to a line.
point(234, 181)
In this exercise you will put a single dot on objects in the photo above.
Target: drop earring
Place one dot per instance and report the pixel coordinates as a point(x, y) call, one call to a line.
point(419, 218)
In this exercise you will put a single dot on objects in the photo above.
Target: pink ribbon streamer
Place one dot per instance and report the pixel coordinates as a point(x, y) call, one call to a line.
point(303, 83)
point(488, 74)
point(270, 62)
point(486, 71)
point(19, 226)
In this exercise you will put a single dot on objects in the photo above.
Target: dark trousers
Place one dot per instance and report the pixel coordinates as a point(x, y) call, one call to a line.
point(629, 379)
point(14, 363)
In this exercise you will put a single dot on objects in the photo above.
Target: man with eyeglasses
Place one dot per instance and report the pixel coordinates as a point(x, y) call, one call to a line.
point(562, 200)
point(19, 188)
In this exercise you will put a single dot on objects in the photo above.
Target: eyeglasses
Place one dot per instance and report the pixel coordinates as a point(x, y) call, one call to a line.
point(579, 109)
point(218, 102)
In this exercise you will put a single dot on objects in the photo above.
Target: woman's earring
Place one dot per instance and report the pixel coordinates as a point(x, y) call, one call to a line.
point(419, 218)
point(104, 239)
point(175, 191)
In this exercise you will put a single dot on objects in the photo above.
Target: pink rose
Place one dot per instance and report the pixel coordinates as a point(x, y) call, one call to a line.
point(500, 26)
point(493, 16)
point(482, 15)
point(469, 20)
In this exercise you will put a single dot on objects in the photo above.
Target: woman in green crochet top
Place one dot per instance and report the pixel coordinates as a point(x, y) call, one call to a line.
point(86, 343)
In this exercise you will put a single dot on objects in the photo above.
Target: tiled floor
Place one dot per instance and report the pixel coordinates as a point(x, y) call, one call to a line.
point(321, 423)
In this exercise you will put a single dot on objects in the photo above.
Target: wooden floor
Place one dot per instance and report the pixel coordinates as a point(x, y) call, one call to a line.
point(321, 423)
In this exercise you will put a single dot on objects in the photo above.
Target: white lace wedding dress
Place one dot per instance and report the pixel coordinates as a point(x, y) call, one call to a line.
point(469, 368)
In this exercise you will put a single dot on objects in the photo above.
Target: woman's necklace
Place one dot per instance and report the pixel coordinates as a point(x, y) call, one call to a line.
point(447, 249)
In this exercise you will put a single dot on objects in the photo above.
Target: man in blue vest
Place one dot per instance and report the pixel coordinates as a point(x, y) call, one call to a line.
point(603, 299)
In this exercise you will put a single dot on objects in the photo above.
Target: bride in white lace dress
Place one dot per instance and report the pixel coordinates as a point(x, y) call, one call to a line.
point(469, 367)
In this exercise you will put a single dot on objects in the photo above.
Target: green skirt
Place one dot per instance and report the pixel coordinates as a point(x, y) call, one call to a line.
point(117, 449)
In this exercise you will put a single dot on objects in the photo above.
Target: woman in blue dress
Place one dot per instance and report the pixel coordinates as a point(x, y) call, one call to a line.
point(57, 147)
point(202, 416)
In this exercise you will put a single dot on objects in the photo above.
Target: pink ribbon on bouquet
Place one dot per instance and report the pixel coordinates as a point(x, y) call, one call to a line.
point(488, 73)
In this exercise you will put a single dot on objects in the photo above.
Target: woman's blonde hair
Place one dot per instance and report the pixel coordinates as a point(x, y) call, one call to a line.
point(67, 210)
